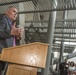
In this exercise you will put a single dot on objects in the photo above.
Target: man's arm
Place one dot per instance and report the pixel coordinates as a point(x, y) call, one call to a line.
point(4, 32)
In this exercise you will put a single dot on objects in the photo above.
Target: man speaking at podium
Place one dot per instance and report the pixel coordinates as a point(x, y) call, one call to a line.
point(8, 31)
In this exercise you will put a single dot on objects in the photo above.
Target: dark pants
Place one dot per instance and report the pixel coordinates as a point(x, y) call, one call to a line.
point(63, 72)
point(2, 65)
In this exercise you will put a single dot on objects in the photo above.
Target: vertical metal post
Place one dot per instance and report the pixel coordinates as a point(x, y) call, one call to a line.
point(22, 22)
point(52, 19)
point(62, 42)
point(61, 51)
point(5, 69)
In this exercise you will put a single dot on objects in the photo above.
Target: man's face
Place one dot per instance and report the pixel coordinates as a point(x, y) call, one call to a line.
point(12, 13)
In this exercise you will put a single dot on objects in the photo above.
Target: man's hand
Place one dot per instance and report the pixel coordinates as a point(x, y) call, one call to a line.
point(15, 31)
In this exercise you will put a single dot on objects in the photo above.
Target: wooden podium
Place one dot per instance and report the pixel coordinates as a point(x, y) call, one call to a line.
point(25, 59)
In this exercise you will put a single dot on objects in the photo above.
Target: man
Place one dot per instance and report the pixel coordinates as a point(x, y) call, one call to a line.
point(63, 67)
point(8, 31)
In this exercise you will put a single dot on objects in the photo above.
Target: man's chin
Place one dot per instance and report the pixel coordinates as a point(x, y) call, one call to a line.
point(13, 19)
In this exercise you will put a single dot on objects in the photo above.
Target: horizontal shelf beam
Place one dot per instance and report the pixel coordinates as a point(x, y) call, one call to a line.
point(65, 37)
point(64, 32)
point(13, 2)
point(66, 40)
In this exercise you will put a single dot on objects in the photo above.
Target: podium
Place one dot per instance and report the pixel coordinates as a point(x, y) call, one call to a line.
point(25, 59)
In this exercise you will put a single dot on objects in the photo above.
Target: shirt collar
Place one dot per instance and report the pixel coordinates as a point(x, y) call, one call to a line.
point(10, 22)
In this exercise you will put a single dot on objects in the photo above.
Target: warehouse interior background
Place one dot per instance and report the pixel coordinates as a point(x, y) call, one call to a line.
point(47, 21)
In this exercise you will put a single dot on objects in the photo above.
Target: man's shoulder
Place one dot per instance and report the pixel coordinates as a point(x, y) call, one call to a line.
point(2, 17)
point(62, 63)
